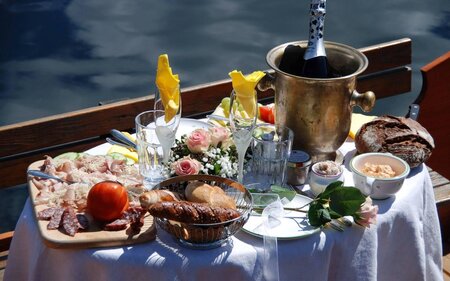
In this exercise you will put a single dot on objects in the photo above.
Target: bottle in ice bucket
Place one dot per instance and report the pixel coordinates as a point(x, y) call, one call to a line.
point(311, 62)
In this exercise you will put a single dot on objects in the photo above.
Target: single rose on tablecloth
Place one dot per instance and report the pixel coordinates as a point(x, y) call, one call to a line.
point(186, 166)
point(199, 141)
point(338, 201)
point(214, 149)
point(367, 214)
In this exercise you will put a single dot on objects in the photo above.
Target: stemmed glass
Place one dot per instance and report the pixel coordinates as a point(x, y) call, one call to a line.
point(243, 115)
point(166, 130)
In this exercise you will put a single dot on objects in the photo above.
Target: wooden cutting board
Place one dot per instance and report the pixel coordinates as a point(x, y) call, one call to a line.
point(92, 237)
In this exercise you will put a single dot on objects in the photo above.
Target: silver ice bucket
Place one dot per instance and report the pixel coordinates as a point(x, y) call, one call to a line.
point(318, 110)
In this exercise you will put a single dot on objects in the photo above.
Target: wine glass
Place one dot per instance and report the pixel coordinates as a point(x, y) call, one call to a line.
point(243, 115)
point(166, 129)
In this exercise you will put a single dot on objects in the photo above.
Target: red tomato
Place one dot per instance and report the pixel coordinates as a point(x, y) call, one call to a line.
point(267, 114)
point(107, 200)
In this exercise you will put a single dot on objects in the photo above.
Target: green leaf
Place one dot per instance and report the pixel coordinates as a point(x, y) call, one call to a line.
point(318, 215)
point(217, 169)
point(329, 189)
point(283, 192)
point(334, 215)
point(346, 201)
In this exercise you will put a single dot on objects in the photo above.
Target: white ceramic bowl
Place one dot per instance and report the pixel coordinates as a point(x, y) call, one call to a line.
point(319, 182)
point(379, 188)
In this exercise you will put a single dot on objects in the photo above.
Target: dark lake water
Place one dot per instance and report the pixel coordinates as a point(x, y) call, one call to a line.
point(59, 55)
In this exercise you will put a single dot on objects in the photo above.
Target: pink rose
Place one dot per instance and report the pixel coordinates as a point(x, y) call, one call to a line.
point(198, 141)
point(218, 135)
point(367, 214)
point(186, 166)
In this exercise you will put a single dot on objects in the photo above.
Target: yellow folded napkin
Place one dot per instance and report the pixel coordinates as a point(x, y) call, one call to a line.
point(357, 121)
point(244, 86)
point(169, 87)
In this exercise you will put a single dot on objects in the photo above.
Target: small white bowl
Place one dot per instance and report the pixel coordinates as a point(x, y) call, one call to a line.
point(318, 182)
point(379, 188)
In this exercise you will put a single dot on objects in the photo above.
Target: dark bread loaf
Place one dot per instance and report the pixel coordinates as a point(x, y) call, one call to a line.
point(190, 212)
point(403, 137)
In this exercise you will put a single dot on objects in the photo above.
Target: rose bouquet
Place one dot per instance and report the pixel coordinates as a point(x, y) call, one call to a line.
point(210, 152)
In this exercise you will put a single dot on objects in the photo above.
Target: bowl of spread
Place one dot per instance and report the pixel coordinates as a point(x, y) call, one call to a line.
point(322, 174)
point(380, 175)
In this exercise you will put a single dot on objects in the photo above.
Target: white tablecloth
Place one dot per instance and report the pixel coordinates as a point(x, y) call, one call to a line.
point(404, 245)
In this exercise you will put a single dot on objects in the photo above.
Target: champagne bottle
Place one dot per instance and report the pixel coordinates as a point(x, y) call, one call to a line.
point(312, 61)
point(315, 64)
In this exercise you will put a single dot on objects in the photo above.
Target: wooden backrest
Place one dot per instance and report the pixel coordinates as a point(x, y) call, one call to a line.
point(434, 100)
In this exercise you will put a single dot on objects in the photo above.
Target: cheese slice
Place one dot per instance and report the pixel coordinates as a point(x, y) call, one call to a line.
point(357, 121)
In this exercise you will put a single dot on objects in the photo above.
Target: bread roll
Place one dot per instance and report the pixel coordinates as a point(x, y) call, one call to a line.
point(403, 137)
point(190, 212)
point(215, 196)
point(151, 197)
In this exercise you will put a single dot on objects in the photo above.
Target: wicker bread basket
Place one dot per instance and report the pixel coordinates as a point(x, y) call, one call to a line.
point(204, 236)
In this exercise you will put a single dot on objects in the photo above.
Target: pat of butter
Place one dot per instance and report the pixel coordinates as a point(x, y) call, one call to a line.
point(357, 121)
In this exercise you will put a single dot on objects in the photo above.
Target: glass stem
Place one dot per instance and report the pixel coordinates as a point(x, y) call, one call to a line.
point(241, 155)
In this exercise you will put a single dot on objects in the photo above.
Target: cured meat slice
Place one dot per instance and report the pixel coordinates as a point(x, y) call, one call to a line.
point(46, 214)
point(83, 222)
point(118, 224)
point(55, 220)
point(70, 222)
point(136, 217)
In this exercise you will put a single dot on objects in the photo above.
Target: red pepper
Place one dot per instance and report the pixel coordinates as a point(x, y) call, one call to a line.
point(267, 114)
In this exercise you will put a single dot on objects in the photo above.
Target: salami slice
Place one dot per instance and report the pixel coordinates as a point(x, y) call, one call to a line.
point(136, 217)
point(70, 222)
point(119, 224)
point(46, 214)
point(55, 220)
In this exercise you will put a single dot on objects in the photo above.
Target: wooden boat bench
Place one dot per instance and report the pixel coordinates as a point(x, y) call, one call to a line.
point(388, 74)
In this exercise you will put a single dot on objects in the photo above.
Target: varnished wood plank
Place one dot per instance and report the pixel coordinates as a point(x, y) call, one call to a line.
point(5, 240)
point(387, 55)
point(443, 209)
point(68, 127)
point(446, 266)
point(386, 84)
point(442, 193)
point(437, 179)
point(434, 101)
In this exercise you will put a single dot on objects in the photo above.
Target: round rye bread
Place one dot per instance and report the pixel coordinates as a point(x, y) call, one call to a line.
point(402, 137)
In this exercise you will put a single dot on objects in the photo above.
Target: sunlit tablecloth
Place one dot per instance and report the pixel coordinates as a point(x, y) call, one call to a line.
point(404, 245)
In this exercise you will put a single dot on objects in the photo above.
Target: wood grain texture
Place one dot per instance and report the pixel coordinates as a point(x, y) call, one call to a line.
point(386, 84)
point(5, 240)
point(92, 237)
point(392, 54)
point(434, 101)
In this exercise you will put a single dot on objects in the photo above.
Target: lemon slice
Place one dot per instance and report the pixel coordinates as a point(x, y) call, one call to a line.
point(244, 86)
point(169, 87)
point(124, 151)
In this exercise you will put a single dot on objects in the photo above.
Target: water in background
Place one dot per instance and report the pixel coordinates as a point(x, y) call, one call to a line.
point(60, 55)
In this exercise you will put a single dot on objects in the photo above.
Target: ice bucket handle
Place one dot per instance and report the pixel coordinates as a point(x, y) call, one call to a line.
point(365, 101)
point(267, 82)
